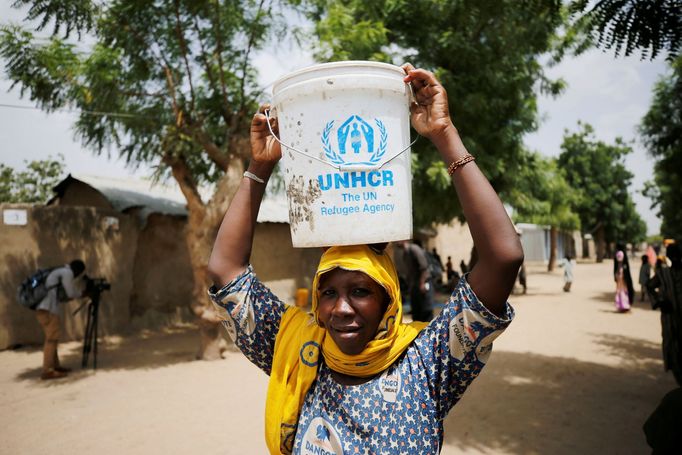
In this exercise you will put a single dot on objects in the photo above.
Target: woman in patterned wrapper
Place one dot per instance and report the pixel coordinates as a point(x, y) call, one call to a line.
point(351, 377)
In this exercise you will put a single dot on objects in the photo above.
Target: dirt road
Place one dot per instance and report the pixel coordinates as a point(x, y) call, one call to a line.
point(569, 376)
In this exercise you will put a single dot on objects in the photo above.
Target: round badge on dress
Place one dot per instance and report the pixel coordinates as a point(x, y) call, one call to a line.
point(310, 353)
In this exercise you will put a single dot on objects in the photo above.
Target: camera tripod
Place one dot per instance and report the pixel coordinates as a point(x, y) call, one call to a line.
point(94, 288)
point(90, 339)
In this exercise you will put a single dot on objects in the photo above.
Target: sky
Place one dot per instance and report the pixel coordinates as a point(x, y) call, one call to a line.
point(610, 94)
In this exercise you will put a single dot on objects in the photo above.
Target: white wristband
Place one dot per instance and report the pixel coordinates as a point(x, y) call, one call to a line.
point(253, 177)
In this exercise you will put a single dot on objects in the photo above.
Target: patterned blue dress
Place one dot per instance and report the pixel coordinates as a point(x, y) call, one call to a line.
point(401, 410)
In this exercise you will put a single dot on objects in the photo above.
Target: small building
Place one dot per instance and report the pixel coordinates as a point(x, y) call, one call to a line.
point(132, 233)
point(536, 242)
point(161, 276)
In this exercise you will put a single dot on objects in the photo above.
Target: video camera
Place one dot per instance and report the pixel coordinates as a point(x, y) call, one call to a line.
point(96, 285)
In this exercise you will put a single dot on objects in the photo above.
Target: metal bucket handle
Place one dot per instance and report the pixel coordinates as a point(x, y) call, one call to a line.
point(342, 167)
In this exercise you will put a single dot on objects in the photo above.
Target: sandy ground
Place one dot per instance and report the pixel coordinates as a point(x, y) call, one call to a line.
point(569, 376)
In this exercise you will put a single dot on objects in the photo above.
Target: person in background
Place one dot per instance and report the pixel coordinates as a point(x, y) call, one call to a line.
point(662, 428)
point(624, 265)
point(63, 286)
point(416, 275)
point(567, 263)
point(451, 274)
point(622, 299)
point(522, 278)
point(652, 255)
point(522, 271)
point(644, 275)
point(665, 291)
point(437, 256)
point(463, 267)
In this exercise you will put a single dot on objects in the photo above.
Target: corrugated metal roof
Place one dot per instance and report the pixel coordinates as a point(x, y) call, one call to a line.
point(274, 209)
point(166, 198)
point(124, 194)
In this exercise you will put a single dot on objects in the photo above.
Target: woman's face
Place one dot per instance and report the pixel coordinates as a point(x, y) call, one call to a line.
point(350, 307)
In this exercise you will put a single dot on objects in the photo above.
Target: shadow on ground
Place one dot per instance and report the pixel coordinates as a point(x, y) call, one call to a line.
point(147, 350)
point(528, 403)
point(608, 297)
point(630, 350)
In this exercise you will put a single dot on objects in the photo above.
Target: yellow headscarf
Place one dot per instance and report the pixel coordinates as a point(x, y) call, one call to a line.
point(298, 342)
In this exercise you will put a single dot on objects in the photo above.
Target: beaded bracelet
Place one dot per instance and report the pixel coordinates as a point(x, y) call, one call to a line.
point(459, 163)
point(253, 177)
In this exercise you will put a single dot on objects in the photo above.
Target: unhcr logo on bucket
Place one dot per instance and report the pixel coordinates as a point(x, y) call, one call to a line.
point(357, 146)
point(356, 141)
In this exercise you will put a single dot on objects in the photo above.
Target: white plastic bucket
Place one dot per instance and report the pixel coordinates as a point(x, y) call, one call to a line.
point(345, 130)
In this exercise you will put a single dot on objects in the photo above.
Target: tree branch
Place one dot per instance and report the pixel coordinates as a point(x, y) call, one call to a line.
point(130, 93)
point(224, 191)
point(183, 175)
point(170, 83)
point(194, 129)
point(209, 72)
point(212, 150)
point(252, 38)
point(184, 50)
point(144, 45)
point(219, 54)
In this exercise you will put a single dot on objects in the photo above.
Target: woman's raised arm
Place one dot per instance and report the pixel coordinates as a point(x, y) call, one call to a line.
point(232, 248)
point(499, 250)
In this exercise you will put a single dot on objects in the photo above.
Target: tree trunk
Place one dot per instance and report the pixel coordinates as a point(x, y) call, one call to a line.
point(586, 247)
point(553, 233)
point(600, 244)
point(201, 230)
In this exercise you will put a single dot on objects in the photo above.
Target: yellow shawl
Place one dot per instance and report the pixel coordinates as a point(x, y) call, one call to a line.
point(298, 342)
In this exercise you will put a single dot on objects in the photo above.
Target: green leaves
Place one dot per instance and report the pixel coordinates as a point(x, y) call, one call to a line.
point(625, 26)
point(542, 195)
point(344, 36)
point(47, 72)
point(168, 81)
point(34, 185)
point(597, 172)
point(485, 54)
point(69, 15)
point(661, 131)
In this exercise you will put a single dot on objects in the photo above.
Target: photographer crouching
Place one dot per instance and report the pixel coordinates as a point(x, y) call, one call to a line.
point(62, 286)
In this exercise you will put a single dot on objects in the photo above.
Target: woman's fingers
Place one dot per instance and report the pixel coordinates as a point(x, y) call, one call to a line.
point(419, 78)
point(425, 96)
point(422, 76)
point(260, 120)
point(425, 84)
point(274, 125)
point(416, 83)
point(260, 114)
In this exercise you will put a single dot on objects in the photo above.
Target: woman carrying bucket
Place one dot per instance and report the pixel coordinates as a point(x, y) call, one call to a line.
point(351, 377)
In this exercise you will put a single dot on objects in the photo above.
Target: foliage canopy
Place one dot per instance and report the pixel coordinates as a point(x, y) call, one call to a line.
point(165, 82)
point(169, 82)
point(485, 54)
point(651, 26)
point(542, 195)
point(661, 129)
point(596, 170)
point(33, 185)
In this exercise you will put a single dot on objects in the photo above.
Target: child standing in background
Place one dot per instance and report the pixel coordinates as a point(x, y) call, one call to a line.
point(644, 275)
point(567, 263)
